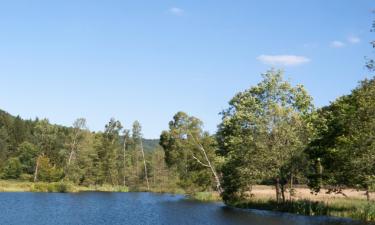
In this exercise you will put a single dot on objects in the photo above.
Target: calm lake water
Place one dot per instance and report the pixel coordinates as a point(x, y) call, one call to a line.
point(135, 208)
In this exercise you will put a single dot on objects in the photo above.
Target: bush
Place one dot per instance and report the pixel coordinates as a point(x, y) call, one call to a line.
point(12, 169)
point(47, 172)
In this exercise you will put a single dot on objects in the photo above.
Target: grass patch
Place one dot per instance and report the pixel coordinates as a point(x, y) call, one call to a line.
point(206, 196)
point(14, 186)
point(58, 187)
point(103, 188)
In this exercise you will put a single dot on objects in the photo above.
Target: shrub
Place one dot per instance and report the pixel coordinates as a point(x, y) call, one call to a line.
point(12, 169)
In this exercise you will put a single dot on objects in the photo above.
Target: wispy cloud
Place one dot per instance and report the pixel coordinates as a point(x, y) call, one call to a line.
point(337, 44)
point(354, 39)
point(176, 11)
point(285, 60)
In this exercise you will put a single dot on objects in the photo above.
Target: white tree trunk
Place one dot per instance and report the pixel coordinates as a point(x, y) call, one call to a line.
point(208, 164)
point(144, 162)
point(36, 170)
point(124, 149)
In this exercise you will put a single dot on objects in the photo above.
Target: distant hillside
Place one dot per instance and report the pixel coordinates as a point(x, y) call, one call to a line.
point(7, 122)
point(150, 145)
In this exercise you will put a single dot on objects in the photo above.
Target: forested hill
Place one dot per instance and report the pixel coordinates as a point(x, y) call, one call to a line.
point(37, 150)
point(150, 145)
point(13, 127)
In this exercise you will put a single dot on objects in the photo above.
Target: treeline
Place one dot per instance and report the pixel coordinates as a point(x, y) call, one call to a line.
point(270, 134)
point(37, 151)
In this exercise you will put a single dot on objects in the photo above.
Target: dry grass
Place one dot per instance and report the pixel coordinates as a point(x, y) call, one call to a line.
point(15, 186)
point(352, 204)
point(268, 192)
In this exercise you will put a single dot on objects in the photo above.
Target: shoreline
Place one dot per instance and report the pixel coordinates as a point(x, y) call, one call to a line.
point(354, 207)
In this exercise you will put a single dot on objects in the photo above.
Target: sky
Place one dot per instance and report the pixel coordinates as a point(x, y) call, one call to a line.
point(146, 60)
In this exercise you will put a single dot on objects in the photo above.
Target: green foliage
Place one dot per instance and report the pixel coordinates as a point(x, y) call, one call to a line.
point(27, 153)
point(183, 145)
point(12, 169)
point(263, 132)
point(345, 141)
point(48, 172)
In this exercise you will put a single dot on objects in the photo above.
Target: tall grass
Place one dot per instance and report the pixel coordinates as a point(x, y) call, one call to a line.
point(355, 209)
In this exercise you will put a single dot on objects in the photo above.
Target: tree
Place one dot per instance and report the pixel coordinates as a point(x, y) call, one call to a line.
point(191, 151)
point(46, 137)
point(110, 149)
point(75, 140)
point(48, 172)
point(370, 64)
point(126, 137)
point(262, 132)
point(137, 137)
point(12, 169)
point(345, 144)
point(27, 153)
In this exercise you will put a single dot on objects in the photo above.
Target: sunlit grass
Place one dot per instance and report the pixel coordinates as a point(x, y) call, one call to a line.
point(206, 196)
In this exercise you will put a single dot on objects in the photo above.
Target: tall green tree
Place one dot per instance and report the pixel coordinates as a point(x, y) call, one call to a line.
point(262, 133)
point(370, 64)
point(74, 145)
point(345, 145)
point(138, 141)
point(46, 137)
point(110, 150)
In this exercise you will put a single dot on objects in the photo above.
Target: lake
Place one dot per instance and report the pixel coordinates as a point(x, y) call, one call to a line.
point(135, 208)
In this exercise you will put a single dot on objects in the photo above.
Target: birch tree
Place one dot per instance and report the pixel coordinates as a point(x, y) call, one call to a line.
point(191, 151)
point(74, 143)
point(137, 137)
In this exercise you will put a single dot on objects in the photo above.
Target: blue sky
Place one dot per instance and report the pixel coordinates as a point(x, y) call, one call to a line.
point(146, 60)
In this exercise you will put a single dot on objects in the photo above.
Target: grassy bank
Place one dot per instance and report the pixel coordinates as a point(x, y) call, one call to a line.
point(347, 208)
point(62, 187)
point(24, 186)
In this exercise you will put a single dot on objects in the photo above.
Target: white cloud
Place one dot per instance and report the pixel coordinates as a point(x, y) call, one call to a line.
point(354, 39)
point(285, 60)
point(176, 11)
point(337, 44)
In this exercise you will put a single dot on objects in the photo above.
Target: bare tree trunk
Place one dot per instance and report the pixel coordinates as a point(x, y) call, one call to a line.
point(71, 154)
point(218, 183)
point(70, 157)
point(278, 193)
point(209, 165)
point(124, 171)
point(36, 170)
point(145, 165)
point(282, 188)
point(291, 190)
point(368, 194)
